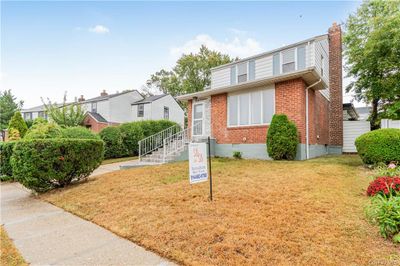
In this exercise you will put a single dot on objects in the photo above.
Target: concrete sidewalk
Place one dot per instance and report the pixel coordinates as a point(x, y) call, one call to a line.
point(47, 235)
point(106, 168)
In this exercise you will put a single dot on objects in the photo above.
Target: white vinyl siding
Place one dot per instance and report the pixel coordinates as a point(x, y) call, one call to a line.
point(302, 56)
point(263, 68)
point(220, 77)
point(321, 59)
point(251, 108)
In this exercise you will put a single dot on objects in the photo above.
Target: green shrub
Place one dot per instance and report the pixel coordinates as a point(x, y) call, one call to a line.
point(44, 164)
point(44, 131)
point(385, 212)
point(29, 123)
point(379, 146)
point(6, 151)
point(39, 120)
point(18, 123)
point(13, 134)
point(237, 155)
point(282, 138)
point(78, 133)
point(131, 134)
point(114, 146)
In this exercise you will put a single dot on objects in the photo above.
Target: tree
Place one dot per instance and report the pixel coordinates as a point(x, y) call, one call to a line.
point(8, 106)
point(372, 45)
point(18, 123)
point(192, 72)
point(66, 114)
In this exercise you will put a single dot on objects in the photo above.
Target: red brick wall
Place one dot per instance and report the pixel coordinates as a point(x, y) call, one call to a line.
point(290, 99)
point(335, 86)
point(223, 134)
point(93, 125)
point(322, 118)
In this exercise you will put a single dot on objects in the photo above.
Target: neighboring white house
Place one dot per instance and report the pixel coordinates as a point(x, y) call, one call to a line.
point(158, 107)
point(110, 109)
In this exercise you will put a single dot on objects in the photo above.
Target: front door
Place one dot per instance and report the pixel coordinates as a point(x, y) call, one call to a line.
point(198, 119)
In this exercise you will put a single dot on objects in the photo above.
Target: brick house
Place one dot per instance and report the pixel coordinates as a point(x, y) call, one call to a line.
point(302, 80)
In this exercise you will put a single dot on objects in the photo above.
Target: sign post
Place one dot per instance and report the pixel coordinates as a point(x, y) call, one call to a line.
point(209, 166)
point(199, 166)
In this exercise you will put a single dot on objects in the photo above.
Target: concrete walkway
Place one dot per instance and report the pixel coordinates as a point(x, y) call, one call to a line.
point(118, 166)
point(47, 235)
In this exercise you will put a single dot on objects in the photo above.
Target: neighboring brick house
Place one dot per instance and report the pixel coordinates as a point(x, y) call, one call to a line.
point(302, 80)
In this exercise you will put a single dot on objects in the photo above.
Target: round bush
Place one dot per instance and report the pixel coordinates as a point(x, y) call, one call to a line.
point(6, 151)
point(381, 145)
point(131, 134)
point(78, 133)
point(44, 131)
point(44, 164)
point(282, 138)
point(114, 146)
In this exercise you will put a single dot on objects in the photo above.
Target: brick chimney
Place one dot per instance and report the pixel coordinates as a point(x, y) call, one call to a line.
point(81, 99)
point(335, 86)
point(103, 93)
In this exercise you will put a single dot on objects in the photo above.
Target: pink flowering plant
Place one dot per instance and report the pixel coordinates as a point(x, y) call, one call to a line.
point(390, 170)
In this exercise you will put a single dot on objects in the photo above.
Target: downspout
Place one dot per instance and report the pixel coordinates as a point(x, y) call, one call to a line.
point(307, 133)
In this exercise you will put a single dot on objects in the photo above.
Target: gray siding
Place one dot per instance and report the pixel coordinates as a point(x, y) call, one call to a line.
point(221, 77)
point(264, 67)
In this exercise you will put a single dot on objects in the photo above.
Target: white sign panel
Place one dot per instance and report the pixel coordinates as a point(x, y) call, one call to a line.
point(198, 169)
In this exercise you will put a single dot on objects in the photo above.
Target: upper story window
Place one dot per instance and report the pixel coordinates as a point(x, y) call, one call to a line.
point(166, 112)
point(251, 108)
point(140, 110)
point(243, 72)
point(94, 107)
point(289, 60)
point(322, 65)
point(28, 116)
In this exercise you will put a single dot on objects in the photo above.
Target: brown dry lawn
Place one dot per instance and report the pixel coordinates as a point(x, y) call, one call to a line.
point(8, 253)
point(264, 212)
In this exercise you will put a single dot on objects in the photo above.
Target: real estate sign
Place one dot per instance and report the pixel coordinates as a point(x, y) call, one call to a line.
point(198, 170)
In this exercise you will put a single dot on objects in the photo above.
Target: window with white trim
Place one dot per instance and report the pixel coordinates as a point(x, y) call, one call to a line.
point(140, 110)
point(251, 108)
point(166, 112)
point(288, 61)
point(28, 116)
point(94, 107)
point(242, 72)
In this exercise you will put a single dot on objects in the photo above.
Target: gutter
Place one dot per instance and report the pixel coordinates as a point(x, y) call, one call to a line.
point(307, 122)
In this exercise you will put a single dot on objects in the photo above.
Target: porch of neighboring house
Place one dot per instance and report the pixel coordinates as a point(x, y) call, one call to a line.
point(96, 122)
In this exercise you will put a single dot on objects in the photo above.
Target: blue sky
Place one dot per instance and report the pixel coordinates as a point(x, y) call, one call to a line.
point(48, 48)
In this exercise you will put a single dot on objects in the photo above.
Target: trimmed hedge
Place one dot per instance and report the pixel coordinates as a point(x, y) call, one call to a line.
point(44, 164)
point(44, 131)
point(6, 151)
point(114, 146)
point(131, 134)
point(78, 133)
point(381, 145)
point(282, 138)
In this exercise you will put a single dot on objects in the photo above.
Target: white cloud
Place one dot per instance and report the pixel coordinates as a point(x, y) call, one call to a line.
point(99, 29)
point(240, 47)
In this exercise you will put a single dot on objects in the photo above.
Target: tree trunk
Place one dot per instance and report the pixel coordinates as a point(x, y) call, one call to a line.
point(374, 115)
